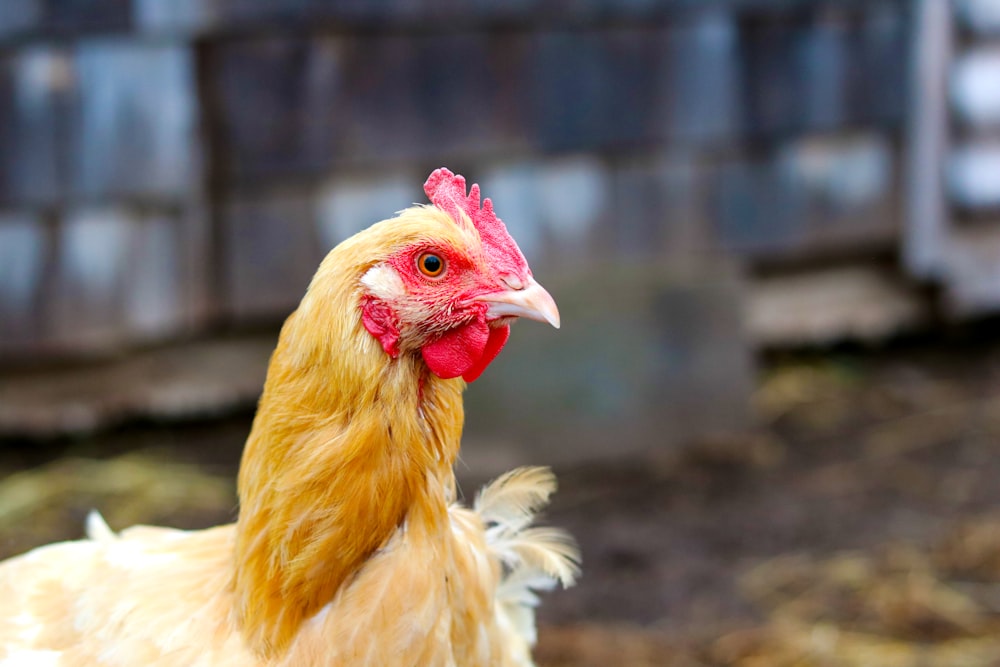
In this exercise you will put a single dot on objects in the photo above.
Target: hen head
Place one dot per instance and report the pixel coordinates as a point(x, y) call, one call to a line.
point(450, 282)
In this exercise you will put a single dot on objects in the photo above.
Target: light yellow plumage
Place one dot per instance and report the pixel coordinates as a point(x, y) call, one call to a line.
point(349, 548)
point(157, 596)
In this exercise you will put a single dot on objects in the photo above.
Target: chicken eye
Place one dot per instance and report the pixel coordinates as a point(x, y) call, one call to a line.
point(430, 265)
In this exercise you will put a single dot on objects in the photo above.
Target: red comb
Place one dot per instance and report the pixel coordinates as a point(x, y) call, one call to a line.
point(447, 191)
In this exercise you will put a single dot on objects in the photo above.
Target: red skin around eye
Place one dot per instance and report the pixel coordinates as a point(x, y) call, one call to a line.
point(405, 264)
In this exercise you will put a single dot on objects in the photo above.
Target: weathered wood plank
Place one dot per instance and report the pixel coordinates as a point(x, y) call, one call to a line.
point(926, 217)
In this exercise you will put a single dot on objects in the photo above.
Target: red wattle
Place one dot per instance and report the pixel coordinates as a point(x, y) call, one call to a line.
point(498, 338)
point(458, 351)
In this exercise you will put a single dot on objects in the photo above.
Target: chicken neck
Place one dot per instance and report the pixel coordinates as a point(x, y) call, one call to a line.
point(347, 446)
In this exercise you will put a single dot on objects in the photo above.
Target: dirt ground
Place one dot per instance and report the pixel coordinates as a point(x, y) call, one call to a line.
point(858, 525)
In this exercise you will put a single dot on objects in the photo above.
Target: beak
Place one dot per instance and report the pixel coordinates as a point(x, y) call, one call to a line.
point(531, 301)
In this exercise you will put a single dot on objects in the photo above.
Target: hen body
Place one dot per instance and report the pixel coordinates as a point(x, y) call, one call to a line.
point(350, 548)
point(158, 596)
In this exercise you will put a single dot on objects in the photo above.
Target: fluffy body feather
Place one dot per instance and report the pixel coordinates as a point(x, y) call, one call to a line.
point(349, 548)
point(163, 597)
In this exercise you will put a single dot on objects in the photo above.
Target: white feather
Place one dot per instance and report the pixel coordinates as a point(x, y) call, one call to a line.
point(512, 500)
point(383, 281)
point(98, 529)
point(543, 550)
point(31, 658)
point(533, 558)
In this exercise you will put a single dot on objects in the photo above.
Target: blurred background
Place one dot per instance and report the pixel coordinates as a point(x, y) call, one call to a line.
point(771, 226)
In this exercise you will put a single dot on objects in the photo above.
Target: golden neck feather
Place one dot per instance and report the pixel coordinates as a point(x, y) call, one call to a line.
point(346, 443)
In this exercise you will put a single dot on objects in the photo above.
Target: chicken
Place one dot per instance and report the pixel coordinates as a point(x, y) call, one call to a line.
point(349, 548)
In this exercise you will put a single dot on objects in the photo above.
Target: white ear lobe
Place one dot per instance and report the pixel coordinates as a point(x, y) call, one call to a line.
point(383, 282)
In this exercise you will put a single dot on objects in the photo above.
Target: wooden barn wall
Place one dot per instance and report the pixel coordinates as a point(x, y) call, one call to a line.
point(171, 166)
